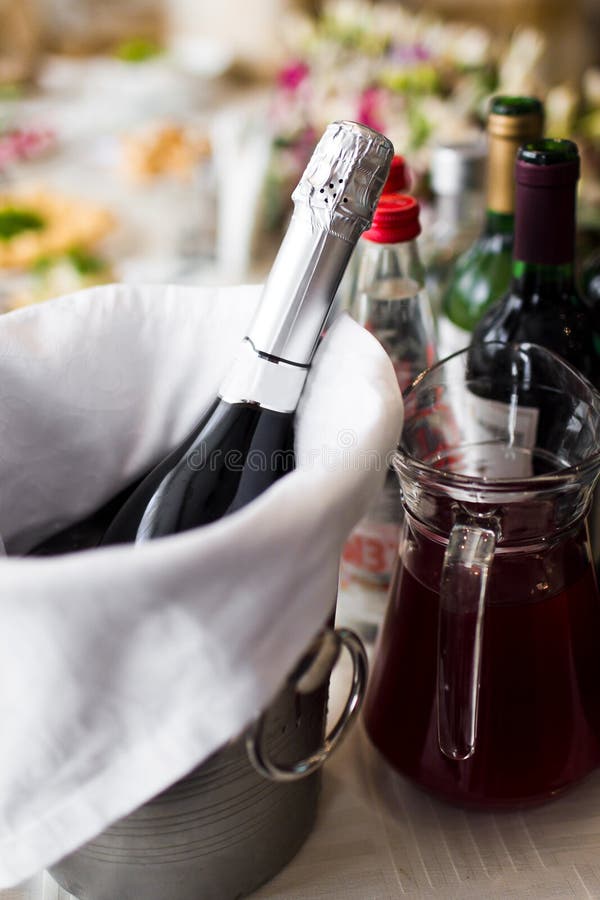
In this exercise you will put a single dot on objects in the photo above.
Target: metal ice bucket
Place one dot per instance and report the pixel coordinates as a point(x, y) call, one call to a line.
point(240, 816)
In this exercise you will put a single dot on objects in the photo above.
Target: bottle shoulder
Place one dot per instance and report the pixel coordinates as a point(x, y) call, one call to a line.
point(480, 276)
point(482, 252)
point(559, 320)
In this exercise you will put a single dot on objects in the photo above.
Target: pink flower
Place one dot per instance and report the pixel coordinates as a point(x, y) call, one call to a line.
point(22, 145)
point(369, 109)
point(291, 76)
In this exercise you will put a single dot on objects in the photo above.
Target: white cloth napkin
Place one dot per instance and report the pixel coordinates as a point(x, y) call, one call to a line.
point(123, 668)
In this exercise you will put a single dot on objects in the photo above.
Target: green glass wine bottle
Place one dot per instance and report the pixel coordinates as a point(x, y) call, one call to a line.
point(482, 274)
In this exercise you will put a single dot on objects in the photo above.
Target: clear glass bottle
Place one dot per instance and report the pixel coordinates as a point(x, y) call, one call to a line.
point(398, 180)
point(457, 176)
point(482, 274)
point(391, 302)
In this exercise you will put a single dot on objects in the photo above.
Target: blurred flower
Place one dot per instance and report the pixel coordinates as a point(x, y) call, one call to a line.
point(417, 78)
point(591, 86)
point(292, 75)
point(518, 66)
point(369, 109)
point(409, 75)
point(561, 107)
point(21, 144)
point(469, 46)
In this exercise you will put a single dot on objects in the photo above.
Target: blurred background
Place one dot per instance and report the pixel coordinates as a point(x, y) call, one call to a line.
point(159, 140)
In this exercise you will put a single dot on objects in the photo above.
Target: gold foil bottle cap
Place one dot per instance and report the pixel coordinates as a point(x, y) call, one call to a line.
point(512, 121)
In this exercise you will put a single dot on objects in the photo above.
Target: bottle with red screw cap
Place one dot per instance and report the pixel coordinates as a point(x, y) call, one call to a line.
point(390, 298)
point(397, 182)
point(391, 302)
point(399, 178)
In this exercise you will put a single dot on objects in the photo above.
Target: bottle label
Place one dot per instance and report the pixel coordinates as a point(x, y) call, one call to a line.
point(370, 553)
point(476, 436)
point(499, 438)
point(451, 337)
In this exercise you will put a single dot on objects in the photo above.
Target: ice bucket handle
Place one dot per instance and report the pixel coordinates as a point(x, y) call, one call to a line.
point(314, 668)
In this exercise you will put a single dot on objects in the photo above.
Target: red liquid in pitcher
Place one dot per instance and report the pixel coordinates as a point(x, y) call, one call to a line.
point(539, 702)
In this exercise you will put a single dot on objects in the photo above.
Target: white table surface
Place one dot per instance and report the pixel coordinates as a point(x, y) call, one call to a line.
point(378, 838)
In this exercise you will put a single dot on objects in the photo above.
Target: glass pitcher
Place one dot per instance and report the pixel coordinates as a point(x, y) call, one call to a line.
point(486, 681)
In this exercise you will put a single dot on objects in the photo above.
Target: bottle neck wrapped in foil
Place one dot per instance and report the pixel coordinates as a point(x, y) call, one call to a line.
point(299, 291)
point(334, 203)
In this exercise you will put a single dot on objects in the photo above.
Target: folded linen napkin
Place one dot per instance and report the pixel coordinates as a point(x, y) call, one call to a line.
point(122, 668)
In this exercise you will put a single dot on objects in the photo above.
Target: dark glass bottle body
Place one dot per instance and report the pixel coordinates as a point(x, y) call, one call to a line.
point(238, 450)
point(235, 454)
point(544, 307)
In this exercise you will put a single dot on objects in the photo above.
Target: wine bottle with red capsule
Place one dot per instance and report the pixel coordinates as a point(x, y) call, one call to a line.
point(543, 304)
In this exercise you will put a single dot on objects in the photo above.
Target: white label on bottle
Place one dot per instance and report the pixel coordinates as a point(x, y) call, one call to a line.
point(499, 438)
point(451, 338)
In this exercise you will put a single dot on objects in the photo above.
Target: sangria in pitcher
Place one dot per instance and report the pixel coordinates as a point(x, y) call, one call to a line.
point(486, 683)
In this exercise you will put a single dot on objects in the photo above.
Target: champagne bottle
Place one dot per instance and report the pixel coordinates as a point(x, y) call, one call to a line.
point(482, 274)
point(543, 305)
point(245, 442)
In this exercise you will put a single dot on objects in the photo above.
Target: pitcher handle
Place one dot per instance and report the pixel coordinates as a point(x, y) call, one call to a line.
point(314, 669)
point(465, 571)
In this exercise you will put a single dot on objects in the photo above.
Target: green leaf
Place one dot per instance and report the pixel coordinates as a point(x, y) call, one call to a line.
point(14, 221)
point(138, 50)
point(84, 262)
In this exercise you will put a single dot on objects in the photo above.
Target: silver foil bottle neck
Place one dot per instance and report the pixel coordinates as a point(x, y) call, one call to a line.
point(334, 203)
point(344, 179)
